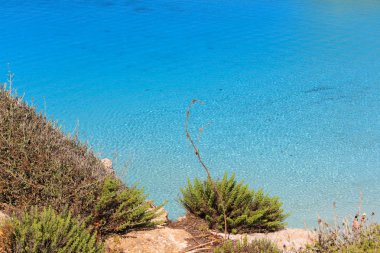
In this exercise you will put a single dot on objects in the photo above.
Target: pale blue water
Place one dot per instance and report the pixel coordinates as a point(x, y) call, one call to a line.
point(292, 91)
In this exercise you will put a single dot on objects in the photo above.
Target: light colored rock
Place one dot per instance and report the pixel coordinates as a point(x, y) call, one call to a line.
point(163, 218)
point(291, 240)
point(3, 217)
point(107, 163)
point(165, 240)
point(4, 233)
point(181, 218)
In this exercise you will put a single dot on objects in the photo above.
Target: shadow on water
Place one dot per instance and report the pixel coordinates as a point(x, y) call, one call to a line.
point(142, 9)
point(319, 89)
point(106, 3)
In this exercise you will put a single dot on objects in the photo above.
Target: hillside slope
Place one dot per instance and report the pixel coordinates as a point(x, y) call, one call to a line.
point(39, 164)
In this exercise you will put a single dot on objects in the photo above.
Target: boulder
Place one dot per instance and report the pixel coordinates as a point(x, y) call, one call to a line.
point(3, 217)
point(108, 168)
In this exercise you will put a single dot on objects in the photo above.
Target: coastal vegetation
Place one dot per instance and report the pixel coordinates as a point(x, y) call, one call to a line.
point(247, 210)
point(46, 231)
point(120, 209)
point(243, 246)
point(41, 165)
point(359, 236)
point(60, 198)
point(43, 168)
point(227, 205)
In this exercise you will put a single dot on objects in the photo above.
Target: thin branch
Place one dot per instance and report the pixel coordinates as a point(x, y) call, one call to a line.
point(198, 155)
point(201, 245)
point(10, 76)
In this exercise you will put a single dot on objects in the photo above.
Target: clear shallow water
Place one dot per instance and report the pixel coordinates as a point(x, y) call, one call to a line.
point(292, 91)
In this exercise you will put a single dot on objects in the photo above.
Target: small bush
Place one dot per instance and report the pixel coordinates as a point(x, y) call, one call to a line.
point(246, 210)
point(243, 246)
point(46, 231)
point(120, 209)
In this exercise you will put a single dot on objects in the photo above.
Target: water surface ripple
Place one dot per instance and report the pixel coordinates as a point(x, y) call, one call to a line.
point(292, 91)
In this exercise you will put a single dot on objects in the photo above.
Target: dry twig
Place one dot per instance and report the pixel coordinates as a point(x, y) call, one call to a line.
point(198, 155)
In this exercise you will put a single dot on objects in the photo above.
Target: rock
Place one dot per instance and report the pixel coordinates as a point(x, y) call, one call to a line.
point(3, 217)
point(4, 233)
point(165, 240)
point(291, 240)
point(182, 218)
point(163, 218)
point(107, 163)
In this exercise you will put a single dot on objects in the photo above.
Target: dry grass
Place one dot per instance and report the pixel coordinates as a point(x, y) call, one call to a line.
point(359, 235)
point(203, 240)
point(243, 246)
point(5, 240)
point(40, 165)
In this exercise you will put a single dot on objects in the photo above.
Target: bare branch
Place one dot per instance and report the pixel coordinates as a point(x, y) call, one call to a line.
point(198, 155)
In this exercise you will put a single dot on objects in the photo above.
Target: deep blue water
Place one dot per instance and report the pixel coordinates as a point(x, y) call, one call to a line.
point(291, 91)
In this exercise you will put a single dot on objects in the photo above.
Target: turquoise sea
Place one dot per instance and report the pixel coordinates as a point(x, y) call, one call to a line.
point(291, 91)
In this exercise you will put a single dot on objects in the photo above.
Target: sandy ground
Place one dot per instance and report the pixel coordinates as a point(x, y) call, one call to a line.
point(191, 235)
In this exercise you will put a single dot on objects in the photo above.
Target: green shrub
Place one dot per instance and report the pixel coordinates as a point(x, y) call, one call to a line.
point(46, 231)
point(119, 208)
point(246, 210)
point(243, 246)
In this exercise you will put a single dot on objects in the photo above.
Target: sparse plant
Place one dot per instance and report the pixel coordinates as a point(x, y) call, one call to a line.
point(46, 231)
point(243, 246)
point(218, 195)
point(246, 210)
point(346, 237)
point(358, 235)
point(226, 204)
